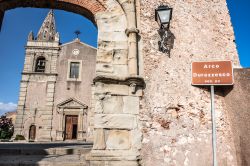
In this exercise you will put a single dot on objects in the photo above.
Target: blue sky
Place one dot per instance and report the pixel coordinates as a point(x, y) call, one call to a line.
point(240, 17)
point(19, 22)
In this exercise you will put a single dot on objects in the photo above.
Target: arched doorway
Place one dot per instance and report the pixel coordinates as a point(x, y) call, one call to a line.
point(32, 133)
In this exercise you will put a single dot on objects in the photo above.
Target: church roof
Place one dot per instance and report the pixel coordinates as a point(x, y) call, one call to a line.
point(77, 40)
point(47, 31)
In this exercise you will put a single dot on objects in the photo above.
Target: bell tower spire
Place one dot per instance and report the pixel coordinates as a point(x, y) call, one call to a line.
point(47, 31)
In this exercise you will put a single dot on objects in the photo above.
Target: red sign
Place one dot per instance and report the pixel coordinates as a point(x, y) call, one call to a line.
point(212, 73)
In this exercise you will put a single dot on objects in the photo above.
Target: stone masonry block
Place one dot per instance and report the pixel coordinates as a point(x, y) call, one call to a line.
point(112, 105)
point(49, 103)
point(120, 70)
point(21, 102)
point(123, 163)
point(50, 99)
point(23, 85)
point(47, 117)
point(99, 140)
point(50, 90)
point(120, 57)
point(117, 21)
point(113, 36)
point(23, 90)
point(50, 95)
point(21, 98)
point(105, 56)
point(115, 121)
point(105, 68)
point(136, 139)
point(25, 78)
point(112, 89)
point(51, 86)
point(131, 105)
point(22, 94)
point(117, 139)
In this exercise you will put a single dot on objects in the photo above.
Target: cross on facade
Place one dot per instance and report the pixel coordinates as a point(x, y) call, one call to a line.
point(77, 32)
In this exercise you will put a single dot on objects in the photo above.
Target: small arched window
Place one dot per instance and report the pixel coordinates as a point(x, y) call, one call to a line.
point(32, 133)
point(44, 34)
point(40, 64)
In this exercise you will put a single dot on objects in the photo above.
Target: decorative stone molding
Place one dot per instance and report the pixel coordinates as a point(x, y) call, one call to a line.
point(72, 107)
point(137, 80)
point(132, 30)
point(72, 103)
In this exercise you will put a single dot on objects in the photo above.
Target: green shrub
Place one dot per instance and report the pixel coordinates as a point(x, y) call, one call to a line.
point(19, 137)
point(6, 128)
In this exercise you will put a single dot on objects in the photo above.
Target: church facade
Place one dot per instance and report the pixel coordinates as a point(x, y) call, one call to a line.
point(55, 90)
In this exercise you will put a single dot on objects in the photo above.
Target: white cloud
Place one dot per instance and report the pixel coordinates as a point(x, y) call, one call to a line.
point(7, 107)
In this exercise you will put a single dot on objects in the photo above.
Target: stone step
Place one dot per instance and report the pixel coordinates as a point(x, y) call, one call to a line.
point(50, 151)
point(43, 160)
point(44, 148)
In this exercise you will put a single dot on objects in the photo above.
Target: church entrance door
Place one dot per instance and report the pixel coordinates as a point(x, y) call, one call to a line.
point(71, 122)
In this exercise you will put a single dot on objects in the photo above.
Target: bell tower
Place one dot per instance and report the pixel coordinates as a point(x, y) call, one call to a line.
point(37, 87)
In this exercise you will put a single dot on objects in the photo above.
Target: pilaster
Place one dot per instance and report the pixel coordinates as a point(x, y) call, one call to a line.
point(117, 135)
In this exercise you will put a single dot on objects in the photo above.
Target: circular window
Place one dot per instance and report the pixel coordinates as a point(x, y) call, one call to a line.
point(75, 52)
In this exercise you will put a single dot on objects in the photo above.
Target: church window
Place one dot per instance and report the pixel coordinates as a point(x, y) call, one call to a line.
point(40, 64)
point(74, 70)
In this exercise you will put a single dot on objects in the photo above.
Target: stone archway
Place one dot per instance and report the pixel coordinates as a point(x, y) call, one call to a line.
point(118, 85)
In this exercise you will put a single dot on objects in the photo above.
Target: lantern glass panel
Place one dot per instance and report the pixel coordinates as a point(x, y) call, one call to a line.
point(164, 16)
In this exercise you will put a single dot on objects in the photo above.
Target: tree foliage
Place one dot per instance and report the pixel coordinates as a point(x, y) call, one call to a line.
point(6, 127)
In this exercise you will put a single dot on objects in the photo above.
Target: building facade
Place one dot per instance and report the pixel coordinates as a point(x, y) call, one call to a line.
point(55, 91)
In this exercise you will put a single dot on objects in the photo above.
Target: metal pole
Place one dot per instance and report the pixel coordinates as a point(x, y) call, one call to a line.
point(213, 126)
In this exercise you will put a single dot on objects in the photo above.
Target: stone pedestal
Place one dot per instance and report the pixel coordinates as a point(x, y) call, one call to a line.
point(117, 135)
point(59, 135)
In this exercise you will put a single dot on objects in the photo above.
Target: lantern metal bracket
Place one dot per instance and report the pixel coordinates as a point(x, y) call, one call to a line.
point(164, 44)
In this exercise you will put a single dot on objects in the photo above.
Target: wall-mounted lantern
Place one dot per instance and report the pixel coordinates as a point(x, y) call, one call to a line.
point(163, 15)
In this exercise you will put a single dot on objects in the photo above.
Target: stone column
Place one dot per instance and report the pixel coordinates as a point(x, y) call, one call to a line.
point(131, 31)
point(63, 124)
point(80, 136)
point(59, 133)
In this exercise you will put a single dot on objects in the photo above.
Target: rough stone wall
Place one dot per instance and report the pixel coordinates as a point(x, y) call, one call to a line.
point(175, 116)
point(237, 101)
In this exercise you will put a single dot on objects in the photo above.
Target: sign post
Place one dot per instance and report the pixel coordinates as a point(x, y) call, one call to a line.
point(213, 126)
point(211, 74)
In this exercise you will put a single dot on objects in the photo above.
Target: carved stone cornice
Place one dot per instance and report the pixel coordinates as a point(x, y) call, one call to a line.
point(39, 73)
point(130, 80)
